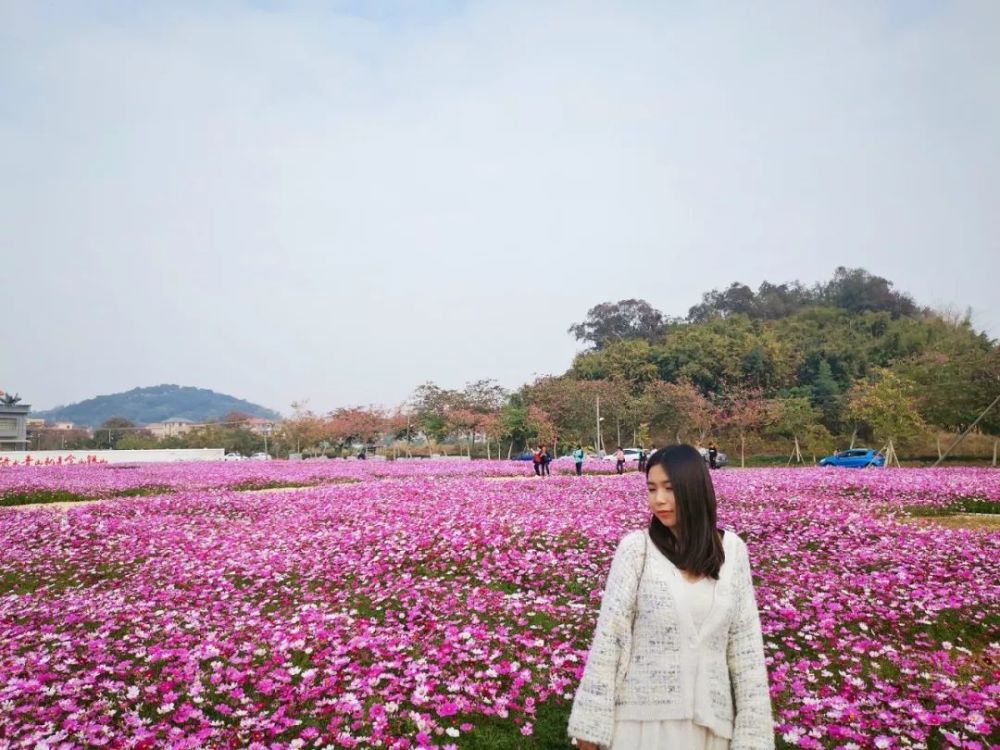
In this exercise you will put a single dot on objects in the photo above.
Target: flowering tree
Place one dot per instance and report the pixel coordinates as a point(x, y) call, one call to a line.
point(304, 430)
point(464, 422)
point(356, 425)
point(541, 426)
point(678, 408)
point(742, 410)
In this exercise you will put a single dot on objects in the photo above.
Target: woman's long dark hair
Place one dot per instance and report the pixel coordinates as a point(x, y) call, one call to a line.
point(697, 547)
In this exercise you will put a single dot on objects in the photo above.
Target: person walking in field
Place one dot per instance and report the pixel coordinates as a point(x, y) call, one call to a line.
point(578, 456)
point(713, 456)
point(642, 459)
point(620, 460)
point(546, 460)
point(536, 459)
point(677, 657)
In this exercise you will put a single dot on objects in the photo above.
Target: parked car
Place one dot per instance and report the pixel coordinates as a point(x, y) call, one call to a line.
point(233, 457)
point(260, 457)
point(721, 459)
point(631, 454)
point(525, 456)
point(854, 458)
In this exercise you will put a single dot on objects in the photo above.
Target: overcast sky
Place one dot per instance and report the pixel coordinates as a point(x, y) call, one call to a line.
point(340, 201)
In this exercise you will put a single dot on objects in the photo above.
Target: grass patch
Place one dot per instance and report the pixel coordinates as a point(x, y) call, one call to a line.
point(23, 582)
point(494, 733)
point(957, 627)
point(45, 497)
point(35, 497)
point(960, 505)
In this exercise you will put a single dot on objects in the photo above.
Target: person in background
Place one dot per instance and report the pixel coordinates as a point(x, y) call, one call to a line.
point(620, 460)
point(536, 459)
point(713, 456)
point(578, 456)
point(642, 459)
point(546, 460)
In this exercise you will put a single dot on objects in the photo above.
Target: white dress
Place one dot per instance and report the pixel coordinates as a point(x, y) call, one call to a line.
point(674, 734)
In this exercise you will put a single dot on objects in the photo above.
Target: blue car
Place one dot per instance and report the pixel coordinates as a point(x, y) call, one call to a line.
point(854, 458)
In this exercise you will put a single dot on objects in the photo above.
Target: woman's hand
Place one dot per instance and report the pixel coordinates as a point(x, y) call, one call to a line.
point(586, 745)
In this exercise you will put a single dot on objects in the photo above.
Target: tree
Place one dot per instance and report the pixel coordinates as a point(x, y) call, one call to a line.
point(569, 403)
point(827, 397)
point(856, 290)
point(629, 360)
point(137, 440)
point(465, 422)
point(483, 396)
point(620, 410)
point(399, 424)
point(678, 409)
point(957, 377)
point(797, 419)
point(112, 431)
point(514, 424)
point(541, 427)
point(303, 431)
point(743, 409)
point(350, 425)
point(615, 321)
point(888, 404)
point(478, 404)
point(737, 299)
point(49, 438)
point(492, 428)
point(431, 405)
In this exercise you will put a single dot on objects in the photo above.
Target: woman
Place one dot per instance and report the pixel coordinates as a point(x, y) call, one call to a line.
point(678, 636)
point(620, 460)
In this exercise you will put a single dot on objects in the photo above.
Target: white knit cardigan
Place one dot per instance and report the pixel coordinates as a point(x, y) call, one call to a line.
point(648, 662)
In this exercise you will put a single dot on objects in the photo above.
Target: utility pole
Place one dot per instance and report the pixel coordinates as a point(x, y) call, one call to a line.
point(599, 446)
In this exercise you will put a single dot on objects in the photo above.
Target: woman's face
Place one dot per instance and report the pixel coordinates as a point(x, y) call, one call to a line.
point(661, 497)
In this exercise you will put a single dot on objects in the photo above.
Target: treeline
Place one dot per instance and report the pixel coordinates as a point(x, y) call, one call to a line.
point(234, 432)
point(850, 359)
point(818, 367)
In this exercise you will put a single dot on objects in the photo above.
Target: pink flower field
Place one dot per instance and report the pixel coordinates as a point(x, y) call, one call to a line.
point(427, 604)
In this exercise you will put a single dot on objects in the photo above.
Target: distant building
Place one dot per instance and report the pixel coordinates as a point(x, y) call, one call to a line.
point(172, 427)
point(259, 426)
point(14, 426)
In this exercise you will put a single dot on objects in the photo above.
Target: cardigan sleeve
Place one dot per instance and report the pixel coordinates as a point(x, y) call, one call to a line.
point(753, 727)
point(592, 715)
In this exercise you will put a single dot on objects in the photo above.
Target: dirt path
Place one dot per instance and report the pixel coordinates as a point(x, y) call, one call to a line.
point(529, 477)
point(974, 521)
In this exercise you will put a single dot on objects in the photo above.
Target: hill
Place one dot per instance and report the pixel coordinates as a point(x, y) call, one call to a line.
point(155, 404)
point(827, 347)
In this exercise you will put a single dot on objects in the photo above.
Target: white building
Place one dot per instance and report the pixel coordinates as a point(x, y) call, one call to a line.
point(172, 427)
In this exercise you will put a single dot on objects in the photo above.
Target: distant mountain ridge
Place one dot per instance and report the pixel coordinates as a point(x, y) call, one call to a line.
point(155, 404)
